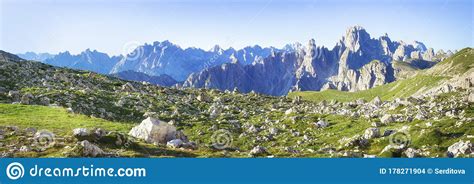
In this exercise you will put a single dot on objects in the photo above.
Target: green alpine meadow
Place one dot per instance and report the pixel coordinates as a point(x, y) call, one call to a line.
point(53, 111)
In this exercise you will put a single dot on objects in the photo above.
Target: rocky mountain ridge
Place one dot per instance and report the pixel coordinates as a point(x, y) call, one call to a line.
point(153, 59)
point(167, 58)
point(357, 62)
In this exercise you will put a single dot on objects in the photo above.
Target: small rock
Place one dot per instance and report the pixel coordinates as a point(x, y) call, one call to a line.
point(258, 150)
point(321, 124)
point(24, 149)
point(460, 148)
point(411, 153)
point(15, 95)
point(189, 145)
point(471, 97)
point(89, 149)
point(369, 156)
point(387, 118)
point(388, 132)
point(273, 131)
point(202, 97)
point(371, 133)
point(175, 143)
point(26, 99)
point(80, 133)
point(377, 101)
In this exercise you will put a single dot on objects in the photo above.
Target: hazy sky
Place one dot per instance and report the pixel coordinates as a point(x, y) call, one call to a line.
point(107, 25)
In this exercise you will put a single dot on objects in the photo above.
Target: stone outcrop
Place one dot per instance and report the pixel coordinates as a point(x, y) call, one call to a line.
point(155, 131)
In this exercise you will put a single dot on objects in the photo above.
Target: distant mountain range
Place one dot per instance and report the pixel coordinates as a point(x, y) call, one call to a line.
point(357, 62)
point(168, 58)
point(36, 56)
point(154, 60)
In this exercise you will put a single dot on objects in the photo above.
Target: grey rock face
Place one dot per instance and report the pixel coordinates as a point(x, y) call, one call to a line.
point(357, 62)
point(232, 75)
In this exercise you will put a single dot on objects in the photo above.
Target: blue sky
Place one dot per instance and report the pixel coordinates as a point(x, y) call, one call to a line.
point(107, 25)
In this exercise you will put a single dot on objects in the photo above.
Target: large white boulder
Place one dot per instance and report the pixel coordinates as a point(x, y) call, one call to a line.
point(154, 131)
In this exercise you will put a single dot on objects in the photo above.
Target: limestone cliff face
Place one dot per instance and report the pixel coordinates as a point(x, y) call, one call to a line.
point(274, 75)
point(357, 62)
point(370, 75)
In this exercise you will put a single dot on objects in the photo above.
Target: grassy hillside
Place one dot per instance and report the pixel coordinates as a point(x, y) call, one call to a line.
point(61, 123)
point(284, 127)
point(456, 65)
point(438, 137)
point(397, 89)
point(55, 119)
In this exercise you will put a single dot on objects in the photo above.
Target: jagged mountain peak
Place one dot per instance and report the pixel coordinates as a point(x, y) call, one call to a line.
point(158, 44)
point(90, 51)
point(419, 46)
point(217, 49)
point(357, 62)
point(311, 43)
point(293, 47)
point(67, 53)
point(354, 37)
